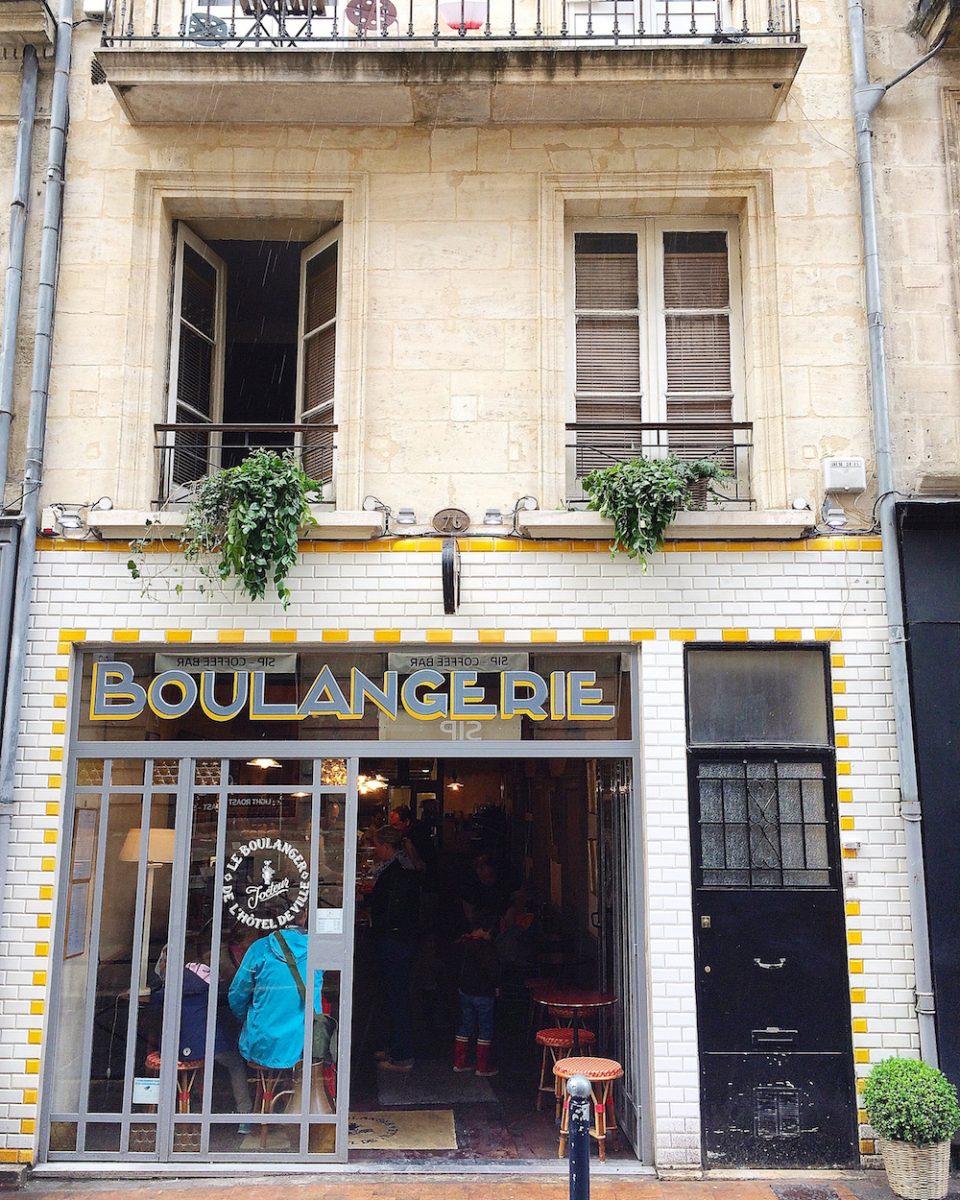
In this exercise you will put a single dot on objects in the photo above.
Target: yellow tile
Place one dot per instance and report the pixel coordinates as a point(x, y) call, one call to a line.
point(60, 700)
point(386, 635)
point(59, 727)
point(48, 864)
point(46, 891)
point(854, 937)
point(335, 635)
point(478, 545)
point(787, 635)
point(53, 808)
point(34, 1037)
point(126, 635)
point(9, 1155)
point(873, 544)
point(64, 647)
point(827, 635)
point(54, 781)
point(853, 908)
point(543, 635)
point(861, 1086)
point(642, 635)
point(837, 660)
point(61, 674)
point(73, 635)
point(178, 635)
point(32, 1066)
point(41, 949)
point(844, 768)
point(43, 920)
point(283, 635)
point(27, 1125)
point(231, 635)
point(596, 635)
point(683, 635)
point(848, 852)
point(25, 1156)
point(861, 1055)
point(847, 823)
point(839, 687)
point(506, 545)
point(862, 1118)
point(39, 979)
point(860, 1025)
point(843, 741)
point(735, 635)
point(30, 1095)
point(845, 795)
point(856, 966)
point(439, 635)
point(490, 636)
point(50, 837)
point(36, 1008)
point(868, 1146)
point(56, 754)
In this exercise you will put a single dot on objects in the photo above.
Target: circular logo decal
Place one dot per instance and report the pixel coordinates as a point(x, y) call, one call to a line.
point(277, 875)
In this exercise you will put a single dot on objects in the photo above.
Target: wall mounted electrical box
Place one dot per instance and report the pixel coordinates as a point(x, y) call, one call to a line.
point(844, 475)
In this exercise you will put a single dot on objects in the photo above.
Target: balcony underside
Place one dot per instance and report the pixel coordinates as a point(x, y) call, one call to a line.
point(397, 85)
point(25, 23)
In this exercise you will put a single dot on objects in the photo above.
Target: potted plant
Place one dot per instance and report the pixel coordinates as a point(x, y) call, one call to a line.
point(643, 495)
point(914, 1113)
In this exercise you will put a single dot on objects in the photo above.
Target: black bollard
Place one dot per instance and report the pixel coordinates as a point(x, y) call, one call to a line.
point(578, 1092)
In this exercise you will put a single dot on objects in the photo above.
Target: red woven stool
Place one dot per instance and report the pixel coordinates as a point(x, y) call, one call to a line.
point(602, 1073)
point(187, 1073)
point(557, 1044)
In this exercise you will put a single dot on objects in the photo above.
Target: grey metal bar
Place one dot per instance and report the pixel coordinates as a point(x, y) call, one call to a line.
point(136, 959)
point(216, 934)
point(373, 748)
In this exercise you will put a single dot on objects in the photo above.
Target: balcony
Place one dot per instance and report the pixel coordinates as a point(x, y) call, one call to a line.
point(26, 23)
point(449, 62)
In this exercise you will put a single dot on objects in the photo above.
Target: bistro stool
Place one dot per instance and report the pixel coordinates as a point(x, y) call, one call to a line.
point(557, 1044)
point(273, 1084)
point(602, 1073)
point(187, 1073)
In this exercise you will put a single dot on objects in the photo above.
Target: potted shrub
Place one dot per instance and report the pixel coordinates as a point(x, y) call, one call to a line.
point(914, 1112)
point(643, 495)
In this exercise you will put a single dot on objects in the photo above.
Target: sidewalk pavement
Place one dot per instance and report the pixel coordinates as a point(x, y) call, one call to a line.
point(870, 1185)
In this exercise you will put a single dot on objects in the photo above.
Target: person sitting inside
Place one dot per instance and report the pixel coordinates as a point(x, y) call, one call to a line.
point(479, 988)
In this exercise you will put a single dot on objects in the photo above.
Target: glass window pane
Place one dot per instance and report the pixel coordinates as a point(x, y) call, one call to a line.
point(757, 696)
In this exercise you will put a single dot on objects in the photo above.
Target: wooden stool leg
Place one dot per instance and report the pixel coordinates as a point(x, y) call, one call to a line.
point(613, 1130)
point(541, 1088)
point(600, 1108)
point(564, 1123)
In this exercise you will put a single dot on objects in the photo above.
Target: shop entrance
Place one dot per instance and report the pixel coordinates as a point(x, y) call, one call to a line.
point(210, 944)
point(522, 881)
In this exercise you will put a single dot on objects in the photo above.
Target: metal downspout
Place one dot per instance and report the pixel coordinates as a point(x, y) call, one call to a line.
point(36, 427)
point(14, 278)
point(866, 97)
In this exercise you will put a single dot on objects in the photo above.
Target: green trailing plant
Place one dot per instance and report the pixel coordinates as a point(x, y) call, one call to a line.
point(643, 495)
point(910, 1101)
point(247, 518)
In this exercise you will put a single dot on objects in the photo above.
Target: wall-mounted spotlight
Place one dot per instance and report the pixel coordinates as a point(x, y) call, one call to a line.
point(406, 516)
point(72, 520)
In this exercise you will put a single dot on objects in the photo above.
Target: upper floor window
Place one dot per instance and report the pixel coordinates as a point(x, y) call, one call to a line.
point(252, 355)
point(656, 343)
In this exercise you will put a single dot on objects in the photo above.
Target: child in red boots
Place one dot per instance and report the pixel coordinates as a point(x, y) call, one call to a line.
point(479, 988)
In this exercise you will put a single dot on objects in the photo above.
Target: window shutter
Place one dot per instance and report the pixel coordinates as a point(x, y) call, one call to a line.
point(696, 300)
point(319, 282)
point(607, 317)
point(196, 355)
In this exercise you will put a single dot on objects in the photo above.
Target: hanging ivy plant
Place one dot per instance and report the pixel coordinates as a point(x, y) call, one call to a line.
point(643, 495)
point(249, 517)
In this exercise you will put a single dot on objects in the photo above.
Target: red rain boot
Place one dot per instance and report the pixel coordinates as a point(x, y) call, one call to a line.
point(484, 1067)
point(460, 1049)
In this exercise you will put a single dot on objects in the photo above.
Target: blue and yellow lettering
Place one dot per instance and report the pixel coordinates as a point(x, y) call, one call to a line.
point(363, 689)
point(261, 709)
point(171, 709)
point(585, 699)
point(325, 698)
point(426, 708)
point(558, 695)
point(212, 706)
point(466, 698)
point(513, 705)
point(113, 694)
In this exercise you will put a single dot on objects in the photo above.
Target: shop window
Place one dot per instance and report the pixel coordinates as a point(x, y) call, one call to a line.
point(657, 345)
point(252, 357)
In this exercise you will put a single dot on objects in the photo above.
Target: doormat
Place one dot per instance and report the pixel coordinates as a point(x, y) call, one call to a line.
point(433, 1130)
point(805, 1191)
point(432, 1083)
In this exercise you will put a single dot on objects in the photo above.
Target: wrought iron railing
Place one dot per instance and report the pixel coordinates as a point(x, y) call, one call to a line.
point(443, 24)
point(188, 453)
point(592, 445)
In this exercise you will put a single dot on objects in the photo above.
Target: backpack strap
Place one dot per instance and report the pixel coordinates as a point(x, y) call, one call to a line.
point(292, 964)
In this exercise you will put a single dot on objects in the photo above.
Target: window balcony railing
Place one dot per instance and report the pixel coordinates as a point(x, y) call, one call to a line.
point(443, 24)
point(593, 445)
point(188, 454)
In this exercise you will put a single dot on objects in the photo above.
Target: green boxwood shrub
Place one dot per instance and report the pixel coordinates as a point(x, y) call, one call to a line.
point(910, 1101)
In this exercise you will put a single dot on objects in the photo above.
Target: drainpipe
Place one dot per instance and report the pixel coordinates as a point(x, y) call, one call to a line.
point(866, 97)
point(36, 427)
point(18, 230)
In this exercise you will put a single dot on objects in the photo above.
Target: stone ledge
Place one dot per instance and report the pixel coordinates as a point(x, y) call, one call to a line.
point(708, 525)
point(128, 524)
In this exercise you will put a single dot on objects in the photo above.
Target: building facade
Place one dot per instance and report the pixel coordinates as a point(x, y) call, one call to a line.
point(457, 258)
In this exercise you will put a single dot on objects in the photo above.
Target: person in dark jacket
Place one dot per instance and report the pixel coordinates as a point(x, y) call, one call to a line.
point(479, 988)
point(394, 918)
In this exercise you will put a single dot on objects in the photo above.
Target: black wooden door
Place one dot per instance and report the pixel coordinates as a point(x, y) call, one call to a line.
point(773, 1007)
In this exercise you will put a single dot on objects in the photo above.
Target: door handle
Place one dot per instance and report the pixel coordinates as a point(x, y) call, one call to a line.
point(770, 966)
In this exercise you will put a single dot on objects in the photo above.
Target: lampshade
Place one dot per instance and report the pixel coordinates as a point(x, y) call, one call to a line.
point(159, 846)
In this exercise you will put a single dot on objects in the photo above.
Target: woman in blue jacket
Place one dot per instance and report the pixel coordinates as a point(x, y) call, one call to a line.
point(266, 998)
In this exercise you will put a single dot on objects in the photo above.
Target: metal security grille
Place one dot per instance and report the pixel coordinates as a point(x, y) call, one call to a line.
point(763, 824)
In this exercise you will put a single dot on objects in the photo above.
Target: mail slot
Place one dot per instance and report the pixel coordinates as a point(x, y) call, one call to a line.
point(772, 1036)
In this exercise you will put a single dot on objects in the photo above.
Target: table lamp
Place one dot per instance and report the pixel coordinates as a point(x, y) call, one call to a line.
point(159, 854)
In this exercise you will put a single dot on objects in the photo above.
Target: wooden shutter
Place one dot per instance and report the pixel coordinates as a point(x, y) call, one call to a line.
point(608, 376)
point(696, 303)
point(196, 356)
point(319, 298)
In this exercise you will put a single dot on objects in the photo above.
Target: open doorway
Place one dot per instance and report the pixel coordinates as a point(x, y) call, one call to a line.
point(518, 881)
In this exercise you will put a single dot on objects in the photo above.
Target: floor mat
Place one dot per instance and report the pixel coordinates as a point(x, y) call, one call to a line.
point(433, 1130)
point(432, 1083)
